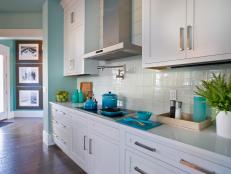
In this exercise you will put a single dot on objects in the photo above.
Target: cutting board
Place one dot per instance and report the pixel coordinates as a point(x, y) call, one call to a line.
point(87, 88)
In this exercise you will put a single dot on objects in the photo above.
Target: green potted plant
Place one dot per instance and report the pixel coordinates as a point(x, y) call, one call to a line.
point(217, 91)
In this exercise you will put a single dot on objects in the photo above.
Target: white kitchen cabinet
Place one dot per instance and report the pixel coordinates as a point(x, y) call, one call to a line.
point(152, 149)
point(101, 146)
point(162, 23)
point(79, 141)
point(136, 164)
point(103, 156)
point(90, 143)
point(104, 147)
point(211, 28)
point(81, 35)
point(182, 32)
point(61, 128)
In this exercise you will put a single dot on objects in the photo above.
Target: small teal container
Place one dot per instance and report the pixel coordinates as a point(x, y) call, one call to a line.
point(199, 109)
point(75, 96)
point(81, 96)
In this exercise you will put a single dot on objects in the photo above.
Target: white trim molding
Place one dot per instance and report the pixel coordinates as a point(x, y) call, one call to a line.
point(10, 115)
point(5, 51)
point(47, 139)
point(30, 114)
point(21, 34)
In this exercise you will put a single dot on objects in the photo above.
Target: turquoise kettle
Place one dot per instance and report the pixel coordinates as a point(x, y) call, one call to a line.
point(90, 104)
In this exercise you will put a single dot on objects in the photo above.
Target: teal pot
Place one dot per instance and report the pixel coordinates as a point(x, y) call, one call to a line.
point(109, 100)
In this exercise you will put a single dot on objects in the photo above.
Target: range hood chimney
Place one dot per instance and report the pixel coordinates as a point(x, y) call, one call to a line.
point(117, 22)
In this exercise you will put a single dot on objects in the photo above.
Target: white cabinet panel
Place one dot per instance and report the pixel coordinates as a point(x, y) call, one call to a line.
point(103, 156)
point(205, 32)
point(79, 141)
point(61, 128)
point(162, 20)
point(211, 27)
point(140, 165)
point(80, 23)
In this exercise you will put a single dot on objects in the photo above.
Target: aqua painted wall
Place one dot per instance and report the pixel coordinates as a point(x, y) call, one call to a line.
point(53, 29)
point(11, 45)
point(21, 20)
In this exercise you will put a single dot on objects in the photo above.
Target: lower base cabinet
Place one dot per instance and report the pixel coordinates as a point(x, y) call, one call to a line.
point(79, 141)
point(104, 156)
point(100, 146)
point(136, 164)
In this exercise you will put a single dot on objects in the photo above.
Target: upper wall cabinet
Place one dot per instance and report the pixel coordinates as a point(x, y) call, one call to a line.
point(181, 32)
point(81, 35)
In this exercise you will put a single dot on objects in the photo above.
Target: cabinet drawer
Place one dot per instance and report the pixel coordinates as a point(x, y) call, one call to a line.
point(66, 128)
point(62, 144)
point(62, 140)
point(196, 164)
point(151, 148)
point(61, 115)
point(106, 130)
point(136, 164)
point(184, 161)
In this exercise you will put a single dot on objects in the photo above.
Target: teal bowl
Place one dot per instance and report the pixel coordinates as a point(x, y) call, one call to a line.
point(143, 115)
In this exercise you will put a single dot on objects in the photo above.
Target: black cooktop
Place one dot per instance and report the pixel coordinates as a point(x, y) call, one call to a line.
point(110, 112)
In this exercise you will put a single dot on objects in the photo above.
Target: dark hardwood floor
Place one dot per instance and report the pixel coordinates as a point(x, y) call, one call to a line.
point(22, 150)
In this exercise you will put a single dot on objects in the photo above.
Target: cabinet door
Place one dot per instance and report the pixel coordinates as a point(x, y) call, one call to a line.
point(79, 49)
point(140, 165)
point(163, 30)
point(103, 156)
point(73, 37)
point(211, 27)
point(79, 141)
point(67, 56)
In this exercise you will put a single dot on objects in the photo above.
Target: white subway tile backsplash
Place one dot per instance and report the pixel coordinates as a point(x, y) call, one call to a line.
point(145, 89)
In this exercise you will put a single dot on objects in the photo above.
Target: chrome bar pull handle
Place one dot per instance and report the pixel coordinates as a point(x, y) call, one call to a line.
point(90, 146)
point(145, 146)
point(139, 170)
point(189, 37)
point(72, 17)
point(181, 41)
point(84, 142)
point(195, 167)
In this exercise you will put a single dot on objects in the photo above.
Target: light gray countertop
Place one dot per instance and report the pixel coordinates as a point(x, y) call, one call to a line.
point(206, 139)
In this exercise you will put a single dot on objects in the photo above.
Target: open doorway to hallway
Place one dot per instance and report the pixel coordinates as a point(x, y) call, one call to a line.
point(3, 82)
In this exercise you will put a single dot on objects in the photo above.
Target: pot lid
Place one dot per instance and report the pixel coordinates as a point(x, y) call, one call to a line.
point(109, 94)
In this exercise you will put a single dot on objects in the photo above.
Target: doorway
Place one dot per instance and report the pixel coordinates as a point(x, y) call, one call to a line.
point(3, 82)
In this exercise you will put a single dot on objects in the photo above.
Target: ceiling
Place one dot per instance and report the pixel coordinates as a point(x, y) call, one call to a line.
point(21, 5)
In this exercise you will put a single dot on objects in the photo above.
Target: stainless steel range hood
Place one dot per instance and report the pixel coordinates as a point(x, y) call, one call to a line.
point(117, 22)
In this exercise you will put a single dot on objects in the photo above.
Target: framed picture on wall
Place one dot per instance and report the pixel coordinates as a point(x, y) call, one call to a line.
point(29, 74)
point(29, 98)
point(29, 51)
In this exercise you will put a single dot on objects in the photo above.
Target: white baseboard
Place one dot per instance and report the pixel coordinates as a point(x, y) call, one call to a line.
point(10, 115)
point(47, 139)
point(28, 114)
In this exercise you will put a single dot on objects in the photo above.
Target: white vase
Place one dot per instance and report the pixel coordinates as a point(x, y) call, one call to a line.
point(223, 124)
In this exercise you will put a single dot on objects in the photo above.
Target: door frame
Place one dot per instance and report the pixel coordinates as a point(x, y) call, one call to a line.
point(6, 53)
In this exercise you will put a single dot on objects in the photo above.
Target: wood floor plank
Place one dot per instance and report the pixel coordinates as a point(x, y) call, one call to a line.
point(22, 151)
